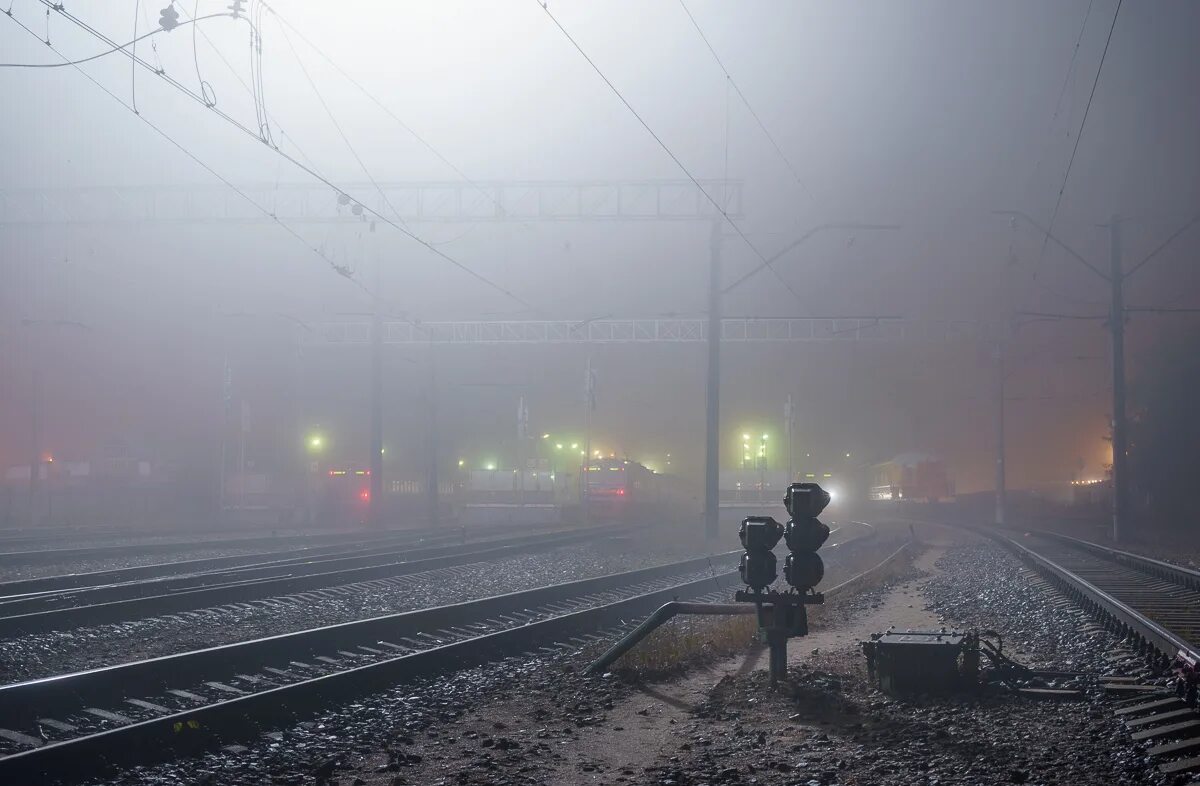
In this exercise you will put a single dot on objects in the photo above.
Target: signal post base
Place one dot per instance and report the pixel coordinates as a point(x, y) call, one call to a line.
point(781, 616)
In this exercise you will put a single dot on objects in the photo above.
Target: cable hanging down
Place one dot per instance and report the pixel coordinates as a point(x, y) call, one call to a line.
point(345, 273)
point(115, 49)
point(253, 133)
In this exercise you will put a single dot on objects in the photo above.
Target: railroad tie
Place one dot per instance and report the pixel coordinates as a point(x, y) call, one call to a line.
point(226, 688)
point(58, 725)
point(183, 694)
point(21, 739)
point(1172, 730)
point(114, 717)
point(1162, 717)
point(1169, 748)
point(1150, 706)
point(148, 705)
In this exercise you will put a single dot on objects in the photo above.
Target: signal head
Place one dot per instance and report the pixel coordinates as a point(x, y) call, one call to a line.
point(803, 570)
point(805, 500)
point(805, 535)
point(759, 533)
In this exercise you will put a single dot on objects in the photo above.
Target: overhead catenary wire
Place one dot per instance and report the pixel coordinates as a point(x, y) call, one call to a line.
point(732, 83)
point(338, 126)
point(311, 171)
point(340, 270)
point(386, 109)
point(1082, 125)
point(111, 51)
point(1062, 92)
point(670, 153)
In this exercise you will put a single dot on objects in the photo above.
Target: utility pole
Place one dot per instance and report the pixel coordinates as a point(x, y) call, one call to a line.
point(1001, 481)
point(789, 414)
point(712, 420)
point(1116, 319)
point(376, 463)
point(35, 459)
point(431, 451)
point(589, 402)
point(1117, 325)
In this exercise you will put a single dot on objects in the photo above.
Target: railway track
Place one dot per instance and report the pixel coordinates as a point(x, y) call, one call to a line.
point(1156, 604)
point(52, 555)
point(76, 724)
point(106, 603)
point(64, 726)
point(349, 547)
point(1153, 605)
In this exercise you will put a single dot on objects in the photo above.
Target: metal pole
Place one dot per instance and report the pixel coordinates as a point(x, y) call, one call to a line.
point(1001, 484)
point(788, 418)
point(35, 463)
point(584, 477)
point(432, 451)
point(375, 502)
point(1117, 324)
point(712, 446)
point(226, 381)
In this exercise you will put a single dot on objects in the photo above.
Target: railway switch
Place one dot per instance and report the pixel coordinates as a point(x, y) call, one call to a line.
point(783, 615)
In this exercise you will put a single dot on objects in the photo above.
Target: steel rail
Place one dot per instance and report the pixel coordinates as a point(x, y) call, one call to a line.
point(24, 704)
point(242, 591)
point(193, 566)
point(1154, 640)
point(50, 600)
point(42, 556)
point(1176, 574)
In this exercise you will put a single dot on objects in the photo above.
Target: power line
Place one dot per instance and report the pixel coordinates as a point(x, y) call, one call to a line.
point(341, 132)
point(99, 55)
point(668, 151)
point(1066, 80)
point(199, 98)
point(746, 101)
point(1078, 136)
point(362, 89)
point(340, 270)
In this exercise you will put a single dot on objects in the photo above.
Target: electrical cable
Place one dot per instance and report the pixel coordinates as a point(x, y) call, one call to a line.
point(137, 7)
point(437, 154)
point(1066, 80)
point(1083, 124)
point(341, 132)
point(730, 80)
point(205, 87)
point(112, 51)
point(341, 271)
point(669, 152)
point(307, 169)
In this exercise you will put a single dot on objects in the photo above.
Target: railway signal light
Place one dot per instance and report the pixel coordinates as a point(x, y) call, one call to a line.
point(804, 535)
point(758, 567)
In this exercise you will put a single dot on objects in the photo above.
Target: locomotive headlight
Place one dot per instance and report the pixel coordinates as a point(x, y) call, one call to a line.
point(834, 494)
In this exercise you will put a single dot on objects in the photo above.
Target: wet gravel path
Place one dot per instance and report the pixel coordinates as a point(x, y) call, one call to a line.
point(57, 652)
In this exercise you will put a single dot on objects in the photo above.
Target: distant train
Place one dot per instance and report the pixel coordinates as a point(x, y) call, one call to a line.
point(344, 497)
point(911, 477)
point(619, 489)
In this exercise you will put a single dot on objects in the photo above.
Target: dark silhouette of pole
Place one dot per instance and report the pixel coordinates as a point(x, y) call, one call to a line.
point(1120, 506)
point(1001, 480)
point(431, 451)
point(712, 443)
